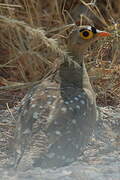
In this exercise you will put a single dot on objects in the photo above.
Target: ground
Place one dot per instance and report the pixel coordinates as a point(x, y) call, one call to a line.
point(100, 160)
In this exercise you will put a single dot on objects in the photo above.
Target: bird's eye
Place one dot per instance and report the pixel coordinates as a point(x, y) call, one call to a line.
point(86, 34)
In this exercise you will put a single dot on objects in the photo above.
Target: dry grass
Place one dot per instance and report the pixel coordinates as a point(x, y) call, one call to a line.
point(29, 34)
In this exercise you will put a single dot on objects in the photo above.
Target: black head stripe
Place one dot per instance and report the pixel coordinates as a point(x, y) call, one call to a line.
point(93, 30)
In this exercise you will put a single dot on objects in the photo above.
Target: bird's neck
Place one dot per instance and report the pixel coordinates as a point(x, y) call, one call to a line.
point(73, 73)
point(70, 73)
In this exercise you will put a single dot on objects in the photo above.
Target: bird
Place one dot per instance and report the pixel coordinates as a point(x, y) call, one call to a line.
point(57, 117)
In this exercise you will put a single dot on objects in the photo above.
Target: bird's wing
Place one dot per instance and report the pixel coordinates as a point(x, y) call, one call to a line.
point(33, 115)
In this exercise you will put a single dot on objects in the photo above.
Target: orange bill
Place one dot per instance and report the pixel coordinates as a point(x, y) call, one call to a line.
point(103, 33)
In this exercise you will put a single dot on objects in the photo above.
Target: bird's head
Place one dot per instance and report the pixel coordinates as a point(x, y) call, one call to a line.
point(82, 37)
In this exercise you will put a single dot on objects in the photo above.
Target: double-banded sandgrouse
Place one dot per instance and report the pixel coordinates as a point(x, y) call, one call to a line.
point(57, 117)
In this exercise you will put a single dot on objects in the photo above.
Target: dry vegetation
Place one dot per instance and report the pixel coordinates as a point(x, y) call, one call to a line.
point(30, 31)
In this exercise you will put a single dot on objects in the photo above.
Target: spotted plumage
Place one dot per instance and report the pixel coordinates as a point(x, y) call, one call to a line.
point(57, 117)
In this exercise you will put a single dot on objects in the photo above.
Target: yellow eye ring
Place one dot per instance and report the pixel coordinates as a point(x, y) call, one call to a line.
point(86, 34)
